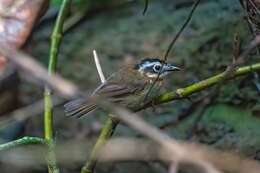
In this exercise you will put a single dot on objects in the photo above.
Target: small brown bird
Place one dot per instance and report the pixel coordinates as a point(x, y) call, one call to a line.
point(128, 86)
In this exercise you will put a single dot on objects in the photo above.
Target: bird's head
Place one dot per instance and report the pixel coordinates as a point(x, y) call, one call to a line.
point(152, 67)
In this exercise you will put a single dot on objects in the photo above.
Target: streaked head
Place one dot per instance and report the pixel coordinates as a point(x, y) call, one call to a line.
point(152, 67)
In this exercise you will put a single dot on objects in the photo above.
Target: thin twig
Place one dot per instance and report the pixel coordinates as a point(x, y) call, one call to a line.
point(26, 140)
point(252, 45)
point(99, 68)
point(145, 6)
point(106, 132)
point(196, 3)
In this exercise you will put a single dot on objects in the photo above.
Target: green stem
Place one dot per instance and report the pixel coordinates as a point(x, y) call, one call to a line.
point(48, 119)
point(22, 141)
point(56, 36)
point(199, 86)
point(56, 39)
point(106, 132)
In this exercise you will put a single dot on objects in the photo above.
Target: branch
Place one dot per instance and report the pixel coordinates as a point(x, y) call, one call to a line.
point(22, 141)
point(115, 150)
point(145, 6)
point(99, 68)
point(175, 38)
point(35, 70)
point(106, 132)
point(173, 150)
point(56, 39)
point(196, 3)
point(26, 112)
point(55, 45)
point(202, 85)
point(181, 153)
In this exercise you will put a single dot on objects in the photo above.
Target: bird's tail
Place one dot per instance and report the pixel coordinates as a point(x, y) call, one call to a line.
point(79, 107)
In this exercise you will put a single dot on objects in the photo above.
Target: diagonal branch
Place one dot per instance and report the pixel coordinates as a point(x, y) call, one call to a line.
point(29, 65)
point(202, 85)
point(181, 152)
point(26, 140)
point(195, 4)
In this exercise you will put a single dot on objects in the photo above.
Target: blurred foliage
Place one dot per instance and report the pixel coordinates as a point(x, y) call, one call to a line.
point(226, 127)
point(81, 4)
point(58, 2)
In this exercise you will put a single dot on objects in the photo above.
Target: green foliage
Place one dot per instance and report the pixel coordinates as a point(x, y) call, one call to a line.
point(58, 2)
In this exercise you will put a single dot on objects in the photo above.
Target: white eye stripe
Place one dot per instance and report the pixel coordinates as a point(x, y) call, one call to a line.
point(149, 64)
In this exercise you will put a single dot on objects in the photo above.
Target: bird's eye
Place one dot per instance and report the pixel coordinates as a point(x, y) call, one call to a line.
point(156, 68)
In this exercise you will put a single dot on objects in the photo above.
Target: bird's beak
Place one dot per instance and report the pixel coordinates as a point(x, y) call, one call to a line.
point(171, 67)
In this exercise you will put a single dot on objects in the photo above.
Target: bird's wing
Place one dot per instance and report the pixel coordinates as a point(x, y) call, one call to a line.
point(113, 91)
point(79, 107)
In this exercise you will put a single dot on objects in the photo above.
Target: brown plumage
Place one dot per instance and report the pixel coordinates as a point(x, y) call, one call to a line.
point(128, 87)
point(113, 89)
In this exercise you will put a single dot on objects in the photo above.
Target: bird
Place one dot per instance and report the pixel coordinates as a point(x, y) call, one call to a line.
point(127, 87)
